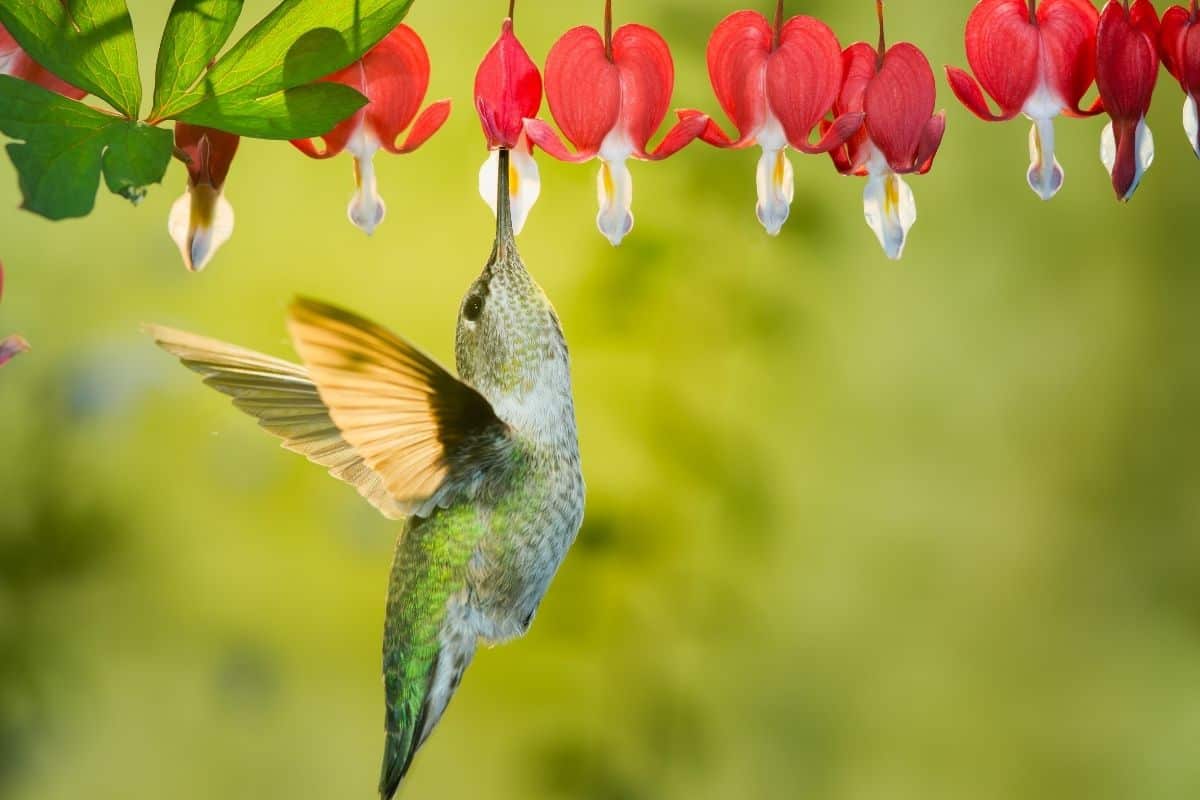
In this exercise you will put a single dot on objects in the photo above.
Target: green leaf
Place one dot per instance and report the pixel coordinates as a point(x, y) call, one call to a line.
point(297, 43)
point(298, 113)
point(66, 145)
point(87, 43)
point(195, 31)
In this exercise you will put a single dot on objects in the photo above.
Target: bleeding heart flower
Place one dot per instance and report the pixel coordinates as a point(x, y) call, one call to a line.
point(609, 94)
point(201, 219)
point(16, 62)
point(1126, 71)
point(776, 83)
point(1179, 41)
point(901, 134)
point(1035, 59)
point(508, 88)
point(393, 76)
point(11, 345)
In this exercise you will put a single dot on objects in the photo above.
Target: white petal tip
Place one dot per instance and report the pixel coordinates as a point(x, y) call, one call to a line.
point(775, 182)
point(1191, 123)
point(366, 212)
point(614, 190)
point(201, 220)
point(890, 211)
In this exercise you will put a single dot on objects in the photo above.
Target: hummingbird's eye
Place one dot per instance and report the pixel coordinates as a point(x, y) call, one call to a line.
point(473, 308)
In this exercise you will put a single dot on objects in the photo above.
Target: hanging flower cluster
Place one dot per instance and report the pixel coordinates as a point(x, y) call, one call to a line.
point(873, 107)
point(1040, 59)
point(785, 83)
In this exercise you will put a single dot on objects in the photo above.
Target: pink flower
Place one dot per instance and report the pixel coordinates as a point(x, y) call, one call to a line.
point(776, 83)
point(201, 219)
point(1126, 71)
point(1035, 59)
point(508, 88)
point(393, 76)
point(1179, 42)
point(895, 88)
point(609, 94)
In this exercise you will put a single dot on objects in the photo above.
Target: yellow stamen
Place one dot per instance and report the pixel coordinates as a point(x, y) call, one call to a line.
point(780, 169)
point(204, 206)
point(606, 175)
point(357, 174)
point(891, 193)
point(514, 180)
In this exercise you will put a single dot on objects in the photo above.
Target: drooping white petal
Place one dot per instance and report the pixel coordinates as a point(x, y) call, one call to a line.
point(1143, 152)
point(614, 191)
point(890, 210)
point(776, 185)
point(524, 184)
point(1191, 123)
point(366, 209)
point(1045, 174)
point(201, 220)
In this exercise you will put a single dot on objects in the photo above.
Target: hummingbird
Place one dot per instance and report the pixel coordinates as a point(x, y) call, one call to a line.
point(483, 468)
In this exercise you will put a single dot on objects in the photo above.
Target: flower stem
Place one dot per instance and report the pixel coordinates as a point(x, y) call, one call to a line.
point(608, 30)
point(1195, 9)
point(512, 7)
point(882, 40)
point(1033, 12)
point(778, 22)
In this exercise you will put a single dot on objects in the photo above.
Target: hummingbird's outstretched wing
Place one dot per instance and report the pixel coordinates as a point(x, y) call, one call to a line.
point(284, 400)
point(428, 435)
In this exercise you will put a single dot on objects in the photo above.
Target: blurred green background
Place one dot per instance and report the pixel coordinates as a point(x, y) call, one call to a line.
point(855, 529)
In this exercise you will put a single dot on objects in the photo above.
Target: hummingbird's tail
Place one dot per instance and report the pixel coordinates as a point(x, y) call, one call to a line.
point(428, 643)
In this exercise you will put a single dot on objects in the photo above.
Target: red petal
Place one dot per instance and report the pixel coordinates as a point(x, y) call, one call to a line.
point(1002, 49)
point(510, 83)
point(427, 124)
point(931, 140)
point(899, 103)
point(1172, 36)
point(394, 76)
point(834, 135)
point(1180, 46)
point(647, 80)
point(970, 95)
point(840, 155)
point(583, 89)
point(858, 67)
point(737, 63)
point(20, 65)
point(689, 127)
point(210, 153)
point(803, 77)
point(1127, 58)
point(1068, 29)
point(544, 137)
point(712, 133)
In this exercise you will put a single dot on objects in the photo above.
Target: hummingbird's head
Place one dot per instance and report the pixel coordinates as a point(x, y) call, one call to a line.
point(509, 345)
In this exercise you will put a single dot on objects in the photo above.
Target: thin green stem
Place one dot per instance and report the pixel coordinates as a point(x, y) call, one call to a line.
point(512, 7)
point(778, 21)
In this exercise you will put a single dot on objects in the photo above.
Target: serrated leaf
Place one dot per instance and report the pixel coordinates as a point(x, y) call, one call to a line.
point(299, 113)
point(194, 34)
point(65, 145)
point(87, 43)
point(297, 43)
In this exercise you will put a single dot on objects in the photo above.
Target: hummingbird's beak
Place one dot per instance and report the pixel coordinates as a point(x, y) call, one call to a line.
point(505, 240)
